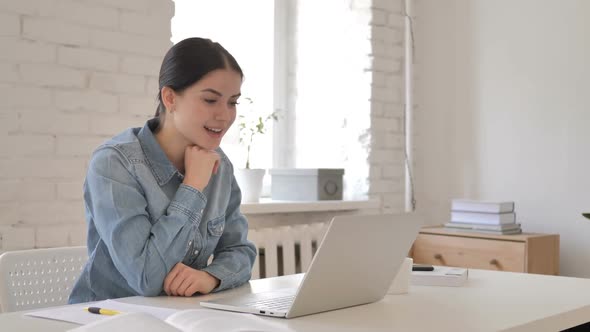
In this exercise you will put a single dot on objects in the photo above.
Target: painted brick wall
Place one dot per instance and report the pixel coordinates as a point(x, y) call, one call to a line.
point(72, 73)
point(386, 158)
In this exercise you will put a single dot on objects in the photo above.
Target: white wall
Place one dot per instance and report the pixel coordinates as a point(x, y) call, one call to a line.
point(504, 100)
point(72, 74)
point(385, 136)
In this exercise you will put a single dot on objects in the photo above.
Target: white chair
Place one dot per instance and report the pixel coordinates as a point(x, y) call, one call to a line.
point(39, 278)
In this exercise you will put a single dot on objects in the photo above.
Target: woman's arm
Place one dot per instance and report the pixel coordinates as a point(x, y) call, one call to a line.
point(234, 255)
point(143, 253)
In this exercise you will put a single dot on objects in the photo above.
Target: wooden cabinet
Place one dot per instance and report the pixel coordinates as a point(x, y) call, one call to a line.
point(531, 253)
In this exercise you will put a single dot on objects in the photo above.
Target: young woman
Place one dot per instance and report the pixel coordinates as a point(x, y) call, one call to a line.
point(162, 204)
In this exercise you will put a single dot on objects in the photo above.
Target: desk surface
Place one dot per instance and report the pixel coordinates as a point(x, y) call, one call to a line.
point(490, 301)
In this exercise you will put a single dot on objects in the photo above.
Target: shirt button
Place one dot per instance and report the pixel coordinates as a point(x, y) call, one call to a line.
point(196, 252)
point(190, 242)
point(202, 211)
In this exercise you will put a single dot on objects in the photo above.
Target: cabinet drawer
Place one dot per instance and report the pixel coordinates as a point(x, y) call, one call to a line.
point(470, 252)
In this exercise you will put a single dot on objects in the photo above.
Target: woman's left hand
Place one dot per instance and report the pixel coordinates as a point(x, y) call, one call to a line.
point(183, 280)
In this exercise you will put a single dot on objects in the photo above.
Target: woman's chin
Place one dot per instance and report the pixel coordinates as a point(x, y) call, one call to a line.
point(207, 142)
point(207, 145)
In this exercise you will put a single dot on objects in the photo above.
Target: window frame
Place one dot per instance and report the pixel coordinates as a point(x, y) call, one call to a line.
point(284, 128)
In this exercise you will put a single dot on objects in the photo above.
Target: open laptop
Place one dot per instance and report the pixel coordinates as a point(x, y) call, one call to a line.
point(355, 264)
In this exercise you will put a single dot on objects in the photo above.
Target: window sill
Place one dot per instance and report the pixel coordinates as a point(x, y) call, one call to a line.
point(267, 206)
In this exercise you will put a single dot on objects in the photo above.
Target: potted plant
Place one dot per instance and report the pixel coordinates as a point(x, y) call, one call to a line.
point(251, 123)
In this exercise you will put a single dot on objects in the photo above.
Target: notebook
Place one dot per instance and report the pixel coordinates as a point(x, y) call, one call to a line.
point(192, 320)
point(355, 264)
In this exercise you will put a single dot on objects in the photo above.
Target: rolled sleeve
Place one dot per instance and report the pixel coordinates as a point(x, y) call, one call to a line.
point(184, 202)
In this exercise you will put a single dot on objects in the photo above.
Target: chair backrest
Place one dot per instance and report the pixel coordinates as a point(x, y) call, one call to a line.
point(39, 278)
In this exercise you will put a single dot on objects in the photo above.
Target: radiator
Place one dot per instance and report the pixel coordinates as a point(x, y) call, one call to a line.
point(285, 250)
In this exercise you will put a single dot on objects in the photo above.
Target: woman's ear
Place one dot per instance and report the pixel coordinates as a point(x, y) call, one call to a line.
point(168, 98)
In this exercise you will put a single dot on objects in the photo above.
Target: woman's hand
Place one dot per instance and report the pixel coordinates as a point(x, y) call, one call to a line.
point(185, 281)
point(199, 164)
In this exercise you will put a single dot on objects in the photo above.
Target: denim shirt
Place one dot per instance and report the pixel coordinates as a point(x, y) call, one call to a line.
point(142, 221)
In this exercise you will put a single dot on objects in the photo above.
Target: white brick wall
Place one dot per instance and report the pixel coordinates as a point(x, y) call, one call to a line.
point(137, 105)
point(9, 25)
point(8, 122)
point(87, 101)
point(9, 73)
point(8, 214)
point(19, 190)
point(87, 58)
point(29, 7)
point(27, 145)
point(387, 172)
point(52, 236)
point(152, 87)
point(109, 125)
point(54, 122)
point(142, 24)
point(77, 146)
point(118, 83)
point(135, 5)
point(47, 167)
point(82, 13)
point(69, 190)
point(17, 238)
point(141, 65)
point(17, 50)
point(72, 73)
point(129, 42)
point(18, 96)
point(52, 75)
point(55, 31)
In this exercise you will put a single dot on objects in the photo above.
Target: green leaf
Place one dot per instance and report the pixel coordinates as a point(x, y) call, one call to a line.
point(251, 122)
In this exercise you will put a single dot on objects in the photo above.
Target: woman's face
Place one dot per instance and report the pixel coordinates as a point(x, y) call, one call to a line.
point(205, 111)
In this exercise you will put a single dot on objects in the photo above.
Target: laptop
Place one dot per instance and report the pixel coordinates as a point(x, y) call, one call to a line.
point(355, 264)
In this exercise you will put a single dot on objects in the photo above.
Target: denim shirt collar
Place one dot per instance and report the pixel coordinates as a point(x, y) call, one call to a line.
point(161, 166)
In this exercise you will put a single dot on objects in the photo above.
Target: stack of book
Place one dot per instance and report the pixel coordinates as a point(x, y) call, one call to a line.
point(484, 217)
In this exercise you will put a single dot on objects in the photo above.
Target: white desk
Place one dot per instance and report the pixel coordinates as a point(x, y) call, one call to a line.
point(490, 301)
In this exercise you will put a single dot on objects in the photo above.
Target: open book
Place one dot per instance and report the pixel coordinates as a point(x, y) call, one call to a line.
point(192, 320)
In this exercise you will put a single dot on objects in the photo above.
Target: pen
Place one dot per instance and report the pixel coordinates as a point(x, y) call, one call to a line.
point(422, 268)
point(101, 311)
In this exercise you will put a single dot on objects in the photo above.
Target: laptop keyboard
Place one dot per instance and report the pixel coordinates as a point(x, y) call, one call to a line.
point(282, 303)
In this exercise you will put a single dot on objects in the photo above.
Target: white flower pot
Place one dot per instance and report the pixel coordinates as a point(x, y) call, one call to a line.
point(250, 182)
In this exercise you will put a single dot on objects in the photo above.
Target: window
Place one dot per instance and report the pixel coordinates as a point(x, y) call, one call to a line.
point(333, 88)
point(314, 71)
point(246, 30)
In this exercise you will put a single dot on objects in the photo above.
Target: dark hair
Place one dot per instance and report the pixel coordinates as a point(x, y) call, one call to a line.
point(188, 61)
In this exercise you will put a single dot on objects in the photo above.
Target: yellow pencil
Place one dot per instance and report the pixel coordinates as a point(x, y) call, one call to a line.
point(102, 311)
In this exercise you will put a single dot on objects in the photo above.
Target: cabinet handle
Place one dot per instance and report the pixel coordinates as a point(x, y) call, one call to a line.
point(438, 256)
point(494, 262)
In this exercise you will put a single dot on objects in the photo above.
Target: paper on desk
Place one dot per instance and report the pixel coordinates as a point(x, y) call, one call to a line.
point(75, 313)
point(440, 276)
point(191, 320)
point(136, 321)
